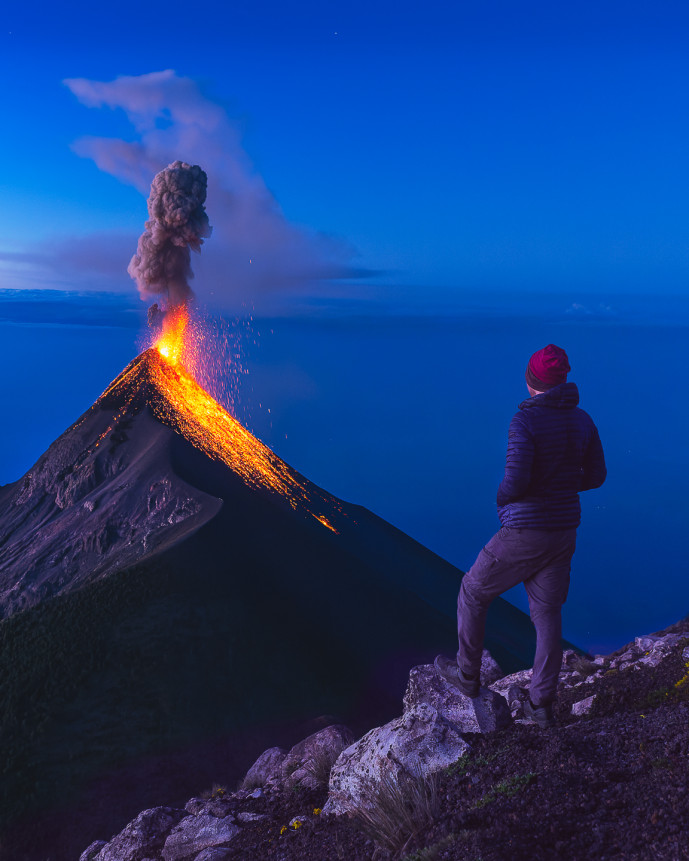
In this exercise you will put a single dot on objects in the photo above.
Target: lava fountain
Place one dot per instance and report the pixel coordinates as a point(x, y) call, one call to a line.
point(161, 267)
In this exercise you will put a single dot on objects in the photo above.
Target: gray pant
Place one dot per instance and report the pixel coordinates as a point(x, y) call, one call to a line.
point(541, 561)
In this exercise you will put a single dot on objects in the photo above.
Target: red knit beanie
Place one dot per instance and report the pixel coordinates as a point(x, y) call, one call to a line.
point(547, 368)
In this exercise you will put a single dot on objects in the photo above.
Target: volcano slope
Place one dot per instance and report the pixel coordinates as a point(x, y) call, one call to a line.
point(175, 599)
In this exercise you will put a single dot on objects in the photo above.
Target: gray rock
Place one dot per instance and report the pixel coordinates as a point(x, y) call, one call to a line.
point(309, 762)
point(425, 686)
point(266, 769)
point(484, 713)
point(218, 807)
point(214, 855)
point(569, 659)
point(583, 707)
point(245, 816)
point(491, 710)
point(92, 851)
point(413, 746)
point(651, 642)
point(515, 697)
point(490, 669)
point(195, 833)
point(520, 679)
point(143, 837)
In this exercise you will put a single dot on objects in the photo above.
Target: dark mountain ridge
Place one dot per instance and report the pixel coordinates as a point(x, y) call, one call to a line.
point(177, 598)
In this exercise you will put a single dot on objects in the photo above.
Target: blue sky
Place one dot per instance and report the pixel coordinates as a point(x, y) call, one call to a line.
point(410, 198)
point(441, 147)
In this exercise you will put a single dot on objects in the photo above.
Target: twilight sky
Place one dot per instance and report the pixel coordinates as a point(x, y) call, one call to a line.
point(409, 198)
point(394, 151)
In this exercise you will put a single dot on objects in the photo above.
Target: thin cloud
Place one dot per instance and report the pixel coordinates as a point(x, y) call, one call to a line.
point(254, 247)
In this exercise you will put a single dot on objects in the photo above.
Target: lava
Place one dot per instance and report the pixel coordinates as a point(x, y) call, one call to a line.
point(171, 342)
point(189, 409)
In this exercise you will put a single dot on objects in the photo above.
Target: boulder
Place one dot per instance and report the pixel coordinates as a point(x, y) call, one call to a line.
point(521, 679)
point(491, 710)
point(413, 746)
point(92, 851)
point(485, 713)
point(426, 686)
point(218, 807)
point(490, 669)
point(214, 855)
point(195, 833)
point(266, 769)
point(143, 838)
point(309, 762)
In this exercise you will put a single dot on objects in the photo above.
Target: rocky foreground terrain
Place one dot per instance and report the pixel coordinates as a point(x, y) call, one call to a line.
point(609, 781)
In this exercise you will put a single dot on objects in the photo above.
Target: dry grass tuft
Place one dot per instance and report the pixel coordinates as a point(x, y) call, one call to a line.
point(320, 764)
point(397, 808)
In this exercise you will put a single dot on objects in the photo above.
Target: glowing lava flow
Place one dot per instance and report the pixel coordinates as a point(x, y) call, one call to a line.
point(188, 408)
point(170, 344)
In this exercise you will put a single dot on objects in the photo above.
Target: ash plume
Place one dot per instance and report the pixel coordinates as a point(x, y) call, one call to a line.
point(178, 223)
point(259, 255)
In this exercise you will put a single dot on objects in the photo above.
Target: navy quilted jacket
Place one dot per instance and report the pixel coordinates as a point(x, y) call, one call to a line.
point(553, 452)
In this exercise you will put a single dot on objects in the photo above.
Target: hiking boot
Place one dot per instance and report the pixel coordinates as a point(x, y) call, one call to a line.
point(542, 715)
point(448, 670)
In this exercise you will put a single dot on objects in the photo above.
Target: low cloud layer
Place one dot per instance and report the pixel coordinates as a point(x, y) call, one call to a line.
point(255, 249)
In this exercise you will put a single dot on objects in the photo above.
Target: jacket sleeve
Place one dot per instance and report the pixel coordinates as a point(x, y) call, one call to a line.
point(593, 470)
point(518, 463)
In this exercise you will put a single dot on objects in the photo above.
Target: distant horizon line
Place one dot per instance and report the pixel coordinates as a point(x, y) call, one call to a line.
point(123, 310)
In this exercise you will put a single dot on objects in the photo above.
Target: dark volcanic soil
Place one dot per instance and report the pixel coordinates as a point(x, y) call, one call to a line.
point(609, 785)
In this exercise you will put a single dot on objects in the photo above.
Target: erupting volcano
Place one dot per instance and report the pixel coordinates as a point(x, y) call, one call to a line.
point(175, 598)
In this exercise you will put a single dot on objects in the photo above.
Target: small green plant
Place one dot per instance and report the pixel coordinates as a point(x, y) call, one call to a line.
point(459, 767)
point(506, 788)
point(466, 762)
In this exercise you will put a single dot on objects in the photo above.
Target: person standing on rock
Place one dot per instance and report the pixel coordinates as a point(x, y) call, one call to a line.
point(553, 453)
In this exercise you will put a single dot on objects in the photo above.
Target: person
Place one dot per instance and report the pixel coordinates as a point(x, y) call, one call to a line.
point(553, 452)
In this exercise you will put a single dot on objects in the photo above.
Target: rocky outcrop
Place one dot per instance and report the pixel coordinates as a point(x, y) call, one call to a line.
point(417, 744)
point(486, 713)
point(142, 839)
point(306, 764)
point(309, 762)
point(435, 735)
point(266, 769)
point(197, 833)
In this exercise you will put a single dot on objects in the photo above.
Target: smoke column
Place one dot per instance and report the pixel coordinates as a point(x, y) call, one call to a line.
point(178, 222)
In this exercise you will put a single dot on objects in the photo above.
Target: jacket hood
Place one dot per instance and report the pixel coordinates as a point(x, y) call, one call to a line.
point(562, 397)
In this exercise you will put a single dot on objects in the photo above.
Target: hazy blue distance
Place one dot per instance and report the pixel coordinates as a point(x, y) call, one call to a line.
point(408, 416)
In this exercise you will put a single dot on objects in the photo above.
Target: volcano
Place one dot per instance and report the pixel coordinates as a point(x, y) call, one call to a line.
point(175, 598)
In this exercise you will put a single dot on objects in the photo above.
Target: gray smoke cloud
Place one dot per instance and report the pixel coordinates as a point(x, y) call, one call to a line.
point(178, 224)
point(257, 252)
